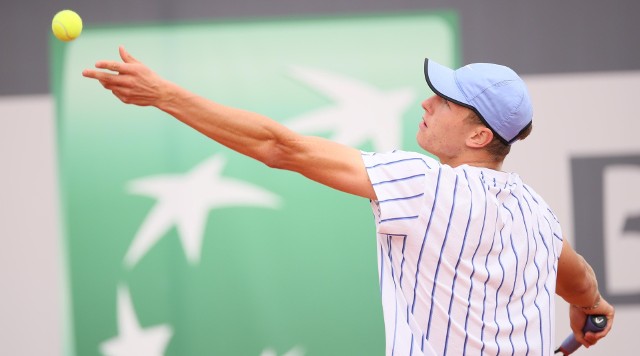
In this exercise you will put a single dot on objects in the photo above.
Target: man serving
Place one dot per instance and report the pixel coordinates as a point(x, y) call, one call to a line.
point(470, 256)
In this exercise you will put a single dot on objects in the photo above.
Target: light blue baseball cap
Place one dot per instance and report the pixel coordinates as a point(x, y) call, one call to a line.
point(494, 92)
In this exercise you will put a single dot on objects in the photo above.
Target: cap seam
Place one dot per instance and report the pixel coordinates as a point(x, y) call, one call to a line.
point(486, 122)
point(500, 123)
point(515, 110)
point(455, 77)
point(489, 87)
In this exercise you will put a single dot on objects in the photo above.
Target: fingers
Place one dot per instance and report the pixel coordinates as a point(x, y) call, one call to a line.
point(129, 80)
point(97, 74)
point(580, 338)
point(108, 80)
point(123, 68)
point(126, 57)
point(609, 312)
point(120, 67)
point(595, 337)
point(592, 338)
point(578, 319)
point(121, 96)
point(127, 66)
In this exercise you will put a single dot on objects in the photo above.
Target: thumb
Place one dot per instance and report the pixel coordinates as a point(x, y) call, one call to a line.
point(126, 57)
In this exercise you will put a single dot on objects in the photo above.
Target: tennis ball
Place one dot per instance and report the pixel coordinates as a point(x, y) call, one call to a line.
point(66, 25)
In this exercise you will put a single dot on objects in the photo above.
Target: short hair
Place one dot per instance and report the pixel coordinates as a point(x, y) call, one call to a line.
point(497, 148)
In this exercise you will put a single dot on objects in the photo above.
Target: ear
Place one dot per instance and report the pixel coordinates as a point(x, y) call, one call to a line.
point(479, 137)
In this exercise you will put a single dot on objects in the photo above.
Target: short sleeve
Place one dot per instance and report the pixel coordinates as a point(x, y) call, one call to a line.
point(402, 182)
point(551, 219)
point(556, 231)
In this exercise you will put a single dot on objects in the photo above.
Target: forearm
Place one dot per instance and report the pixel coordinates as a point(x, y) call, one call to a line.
point(577, 283)
point(585, 292)
point(246, 132)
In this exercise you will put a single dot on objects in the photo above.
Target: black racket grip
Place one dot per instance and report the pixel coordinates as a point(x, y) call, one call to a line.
point(594, 324)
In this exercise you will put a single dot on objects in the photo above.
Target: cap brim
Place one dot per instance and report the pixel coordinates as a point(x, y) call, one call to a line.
point(442, 81)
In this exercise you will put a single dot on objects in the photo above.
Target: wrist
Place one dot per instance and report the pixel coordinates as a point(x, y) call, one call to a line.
point(593, 306)
point(169, 95)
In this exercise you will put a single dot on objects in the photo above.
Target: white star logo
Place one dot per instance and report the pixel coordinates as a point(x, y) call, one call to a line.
point(361, 111)
point(185, 201)
point(132, 340)
point(296, 351)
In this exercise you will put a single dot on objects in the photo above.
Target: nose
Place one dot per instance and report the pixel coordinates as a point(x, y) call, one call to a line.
point(426, 104)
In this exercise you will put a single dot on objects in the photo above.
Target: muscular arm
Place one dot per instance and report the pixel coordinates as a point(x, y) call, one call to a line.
point(576, 281)
point(577, 284)
point(254, 135)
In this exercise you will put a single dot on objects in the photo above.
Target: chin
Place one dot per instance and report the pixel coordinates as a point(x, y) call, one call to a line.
point(427, 148)
point(423, 143)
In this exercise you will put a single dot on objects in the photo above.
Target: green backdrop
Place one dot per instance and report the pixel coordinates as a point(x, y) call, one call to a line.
point(179, 246)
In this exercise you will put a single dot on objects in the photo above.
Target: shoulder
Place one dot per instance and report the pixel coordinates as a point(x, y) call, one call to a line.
point(538, 200)
point(398, 159)
point(400, 173)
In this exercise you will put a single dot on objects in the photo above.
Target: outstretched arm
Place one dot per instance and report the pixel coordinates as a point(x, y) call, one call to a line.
point(254, 135)
point(577, 285)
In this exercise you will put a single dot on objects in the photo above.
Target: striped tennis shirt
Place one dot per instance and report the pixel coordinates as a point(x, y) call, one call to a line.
point(467, 258)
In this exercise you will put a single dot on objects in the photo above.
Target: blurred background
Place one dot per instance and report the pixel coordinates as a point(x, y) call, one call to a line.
point(580, 58)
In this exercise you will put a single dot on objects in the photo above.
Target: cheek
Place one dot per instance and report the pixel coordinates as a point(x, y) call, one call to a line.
point(447, 137)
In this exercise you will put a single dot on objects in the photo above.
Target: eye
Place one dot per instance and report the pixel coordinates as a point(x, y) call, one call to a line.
point(446, 102)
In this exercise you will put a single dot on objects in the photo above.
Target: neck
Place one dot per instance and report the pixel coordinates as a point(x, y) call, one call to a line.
point(475, 162)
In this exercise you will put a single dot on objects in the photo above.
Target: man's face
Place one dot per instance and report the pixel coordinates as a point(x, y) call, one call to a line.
point(444, 128)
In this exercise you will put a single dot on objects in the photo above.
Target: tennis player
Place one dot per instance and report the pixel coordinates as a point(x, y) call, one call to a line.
point(470, 257)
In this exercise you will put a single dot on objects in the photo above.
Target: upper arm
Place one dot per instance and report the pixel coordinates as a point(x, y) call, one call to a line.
point(329, 163)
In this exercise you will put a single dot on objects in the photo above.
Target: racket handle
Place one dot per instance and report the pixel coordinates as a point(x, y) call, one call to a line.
point(594, 323)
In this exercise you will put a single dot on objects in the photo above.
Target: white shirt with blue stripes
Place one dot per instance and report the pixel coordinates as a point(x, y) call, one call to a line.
point(467, 258)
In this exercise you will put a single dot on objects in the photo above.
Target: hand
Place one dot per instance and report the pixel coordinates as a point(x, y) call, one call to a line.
point(132, 82)
point(578, 318)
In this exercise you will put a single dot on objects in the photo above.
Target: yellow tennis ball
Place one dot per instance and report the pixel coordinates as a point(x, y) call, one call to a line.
point(66, 25)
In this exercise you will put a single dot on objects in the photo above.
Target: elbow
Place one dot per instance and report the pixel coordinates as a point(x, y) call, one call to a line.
point(274, 161)
point(276, 155)
point(283, 150)
point(584, 286)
